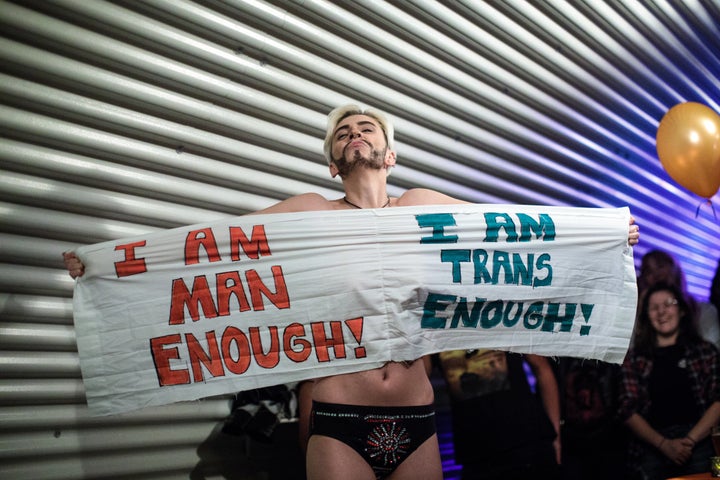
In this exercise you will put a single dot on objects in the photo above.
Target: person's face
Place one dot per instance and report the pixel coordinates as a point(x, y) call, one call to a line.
point(359, 141)
point(658, 272)
point(664, 313)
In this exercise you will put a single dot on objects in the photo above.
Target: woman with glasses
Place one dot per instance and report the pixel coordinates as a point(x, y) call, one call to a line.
point(670, 391)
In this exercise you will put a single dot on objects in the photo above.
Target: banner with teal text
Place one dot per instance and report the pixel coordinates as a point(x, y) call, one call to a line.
point(262, 300)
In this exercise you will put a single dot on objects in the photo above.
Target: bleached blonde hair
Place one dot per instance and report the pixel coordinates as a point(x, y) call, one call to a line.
point(344, 111)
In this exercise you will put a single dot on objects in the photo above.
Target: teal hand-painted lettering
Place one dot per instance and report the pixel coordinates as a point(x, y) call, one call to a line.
point(436, 302)
point(464, 312)
point(497, 221)
point(489, 314)
point(543, 227)
point(501, 260)
point(534, 316)
point(480, 258)
point(438, 222)
point(511, 269)
point(461, 313)
point(586, 309)
point(455, 257)
point(543, 263)
point(469, 318)
point(509, 321)
point(552, 317)
point(492, 315)
point(523, 273)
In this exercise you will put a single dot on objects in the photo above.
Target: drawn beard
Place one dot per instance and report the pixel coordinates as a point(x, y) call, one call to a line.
point(375, 160)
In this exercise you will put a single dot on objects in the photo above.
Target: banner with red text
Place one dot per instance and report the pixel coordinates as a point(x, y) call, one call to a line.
point(262, 300)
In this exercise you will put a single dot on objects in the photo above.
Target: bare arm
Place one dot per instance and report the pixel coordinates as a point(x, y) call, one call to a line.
point(702, 428)
point(549, 394)
point(678, 450)
point(424, 196)
point(312, 201)
point(299, 203)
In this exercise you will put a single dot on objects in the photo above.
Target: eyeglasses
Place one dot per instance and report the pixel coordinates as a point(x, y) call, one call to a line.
point(669, 303)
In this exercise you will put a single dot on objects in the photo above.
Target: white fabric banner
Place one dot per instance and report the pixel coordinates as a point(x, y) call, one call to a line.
point(262, 300)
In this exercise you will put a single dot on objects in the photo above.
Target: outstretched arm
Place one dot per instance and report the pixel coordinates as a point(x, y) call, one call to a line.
point(549, 394)
point(313, 201)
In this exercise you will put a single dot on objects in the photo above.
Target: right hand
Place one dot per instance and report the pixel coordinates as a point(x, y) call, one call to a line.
point(633, 233)
point(73, 264)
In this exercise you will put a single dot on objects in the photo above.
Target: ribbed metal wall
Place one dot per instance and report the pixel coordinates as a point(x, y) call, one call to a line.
point(124, 117)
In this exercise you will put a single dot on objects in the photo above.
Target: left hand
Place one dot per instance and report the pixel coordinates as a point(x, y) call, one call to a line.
point(73, 264)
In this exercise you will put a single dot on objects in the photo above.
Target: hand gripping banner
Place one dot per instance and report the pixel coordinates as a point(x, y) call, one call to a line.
point(262, 300)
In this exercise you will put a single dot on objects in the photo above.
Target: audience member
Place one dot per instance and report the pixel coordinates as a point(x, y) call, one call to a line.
point(658, 266)
point(501, 429)
point(715, 288)
point(594, 440)
point(670, 389)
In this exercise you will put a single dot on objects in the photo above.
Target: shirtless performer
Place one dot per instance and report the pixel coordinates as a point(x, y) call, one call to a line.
point(375, 424)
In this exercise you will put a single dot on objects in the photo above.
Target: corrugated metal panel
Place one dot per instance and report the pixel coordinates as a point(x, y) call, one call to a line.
point(125, 117)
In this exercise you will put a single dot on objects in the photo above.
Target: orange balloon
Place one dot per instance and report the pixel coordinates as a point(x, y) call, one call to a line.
point(688, 145)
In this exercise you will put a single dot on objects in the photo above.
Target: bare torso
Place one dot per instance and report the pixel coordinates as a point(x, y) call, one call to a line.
point(394, 384)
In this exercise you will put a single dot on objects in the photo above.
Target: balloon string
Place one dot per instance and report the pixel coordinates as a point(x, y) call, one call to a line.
point(712, 207)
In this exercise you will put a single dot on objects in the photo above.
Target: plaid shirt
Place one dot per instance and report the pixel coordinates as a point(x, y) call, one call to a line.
point(703, 371)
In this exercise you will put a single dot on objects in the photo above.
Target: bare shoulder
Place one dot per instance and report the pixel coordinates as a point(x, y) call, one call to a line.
point(304, 202)
point(424, 196)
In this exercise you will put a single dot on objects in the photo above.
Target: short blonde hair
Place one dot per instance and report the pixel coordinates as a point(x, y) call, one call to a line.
point(348, 110)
